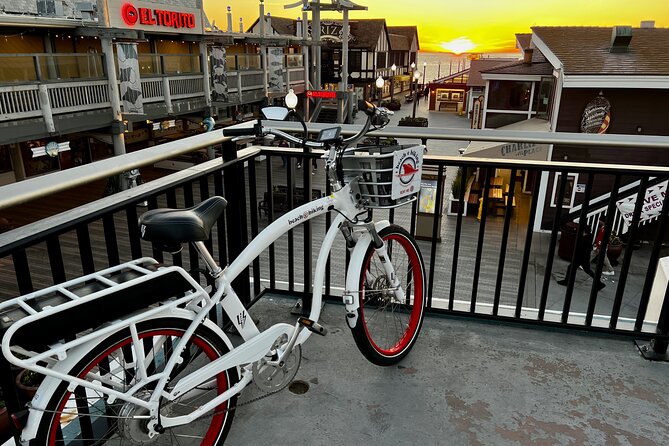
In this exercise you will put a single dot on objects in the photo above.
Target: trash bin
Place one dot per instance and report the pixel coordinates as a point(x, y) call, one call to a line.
point(568, 240)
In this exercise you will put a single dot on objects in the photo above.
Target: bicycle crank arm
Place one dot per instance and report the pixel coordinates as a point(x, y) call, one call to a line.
point(312, 326)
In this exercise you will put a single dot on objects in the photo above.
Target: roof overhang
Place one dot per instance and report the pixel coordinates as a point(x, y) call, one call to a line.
point(548, 54)
point(44, 22)
point(616, 81)
point(511, 77)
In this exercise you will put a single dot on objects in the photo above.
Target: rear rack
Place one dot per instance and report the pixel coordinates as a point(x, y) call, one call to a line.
point(71, 313)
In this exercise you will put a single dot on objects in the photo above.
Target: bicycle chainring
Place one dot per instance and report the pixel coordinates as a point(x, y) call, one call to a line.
point(273, 378)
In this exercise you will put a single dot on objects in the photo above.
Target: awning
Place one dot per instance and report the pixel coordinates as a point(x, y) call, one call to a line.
point(513, 150)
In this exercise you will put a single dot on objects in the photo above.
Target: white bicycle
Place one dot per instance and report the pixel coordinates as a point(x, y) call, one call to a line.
point(129, 353)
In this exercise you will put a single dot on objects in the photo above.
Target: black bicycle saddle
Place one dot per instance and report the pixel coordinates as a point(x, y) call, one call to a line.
point(173, 226)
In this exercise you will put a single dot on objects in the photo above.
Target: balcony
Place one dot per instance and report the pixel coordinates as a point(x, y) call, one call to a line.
point(40, 92)
point(478, 374)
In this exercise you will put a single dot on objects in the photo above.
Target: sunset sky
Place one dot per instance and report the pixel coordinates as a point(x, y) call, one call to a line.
point(476, 25)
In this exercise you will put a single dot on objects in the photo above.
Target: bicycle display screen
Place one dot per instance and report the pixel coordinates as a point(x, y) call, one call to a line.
point(327, 135)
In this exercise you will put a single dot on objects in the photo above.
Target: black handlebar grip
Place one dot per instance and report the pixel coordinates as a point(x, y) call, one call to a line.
point(244, 131)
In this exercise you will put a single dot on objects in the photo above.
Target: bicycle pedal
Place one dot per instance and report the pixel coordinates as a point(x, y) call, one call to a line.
point(312, 326)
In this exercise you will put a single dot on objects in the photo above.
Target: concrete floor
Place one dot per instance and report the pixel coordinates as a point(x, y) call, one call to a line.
point(465, 383)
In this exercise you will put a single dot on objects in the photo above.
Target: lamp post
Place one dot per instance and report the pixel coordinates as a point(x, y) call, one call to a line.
point(424, 66)
point(379, 84)
point(413, 69)
point(392, 82)
point(416, 76)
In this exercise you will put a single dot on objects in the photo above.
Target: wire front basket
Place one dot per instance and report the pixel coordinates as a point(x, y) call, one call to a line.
point(373, 168)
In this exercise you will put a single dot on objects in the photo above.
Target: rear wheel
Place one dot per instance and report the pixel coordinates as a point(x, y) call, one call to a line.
point(387, 328)
point(87, 417)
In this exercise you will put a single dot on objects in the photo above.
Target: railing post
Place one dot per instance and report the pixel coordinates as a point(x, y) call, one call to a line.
point(234, 190)
point(167, 94)
point(239, 84)
point(660, 345)
point(45, 105)
point(204, 65)
point(38, 69)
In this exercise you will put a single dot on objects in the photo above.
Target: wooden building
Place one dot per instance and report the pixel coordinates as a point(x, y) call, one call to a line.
point(585, 79)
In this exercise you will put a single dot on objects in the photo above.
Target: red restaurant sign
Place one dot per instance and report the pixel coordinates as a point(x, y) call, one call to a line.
point(156, 17)
point(322, 94)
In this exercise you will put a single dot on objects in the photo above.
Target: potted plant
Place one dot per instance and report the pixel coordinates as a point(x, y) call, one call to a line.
point(409, 121)
point(454, 197)
point(392, 104)
point(615, 247)
point(27, 383)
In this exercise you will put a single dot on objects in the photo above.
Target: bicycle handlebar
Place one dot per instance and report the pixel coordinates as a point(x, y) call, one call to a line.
point(375, 116)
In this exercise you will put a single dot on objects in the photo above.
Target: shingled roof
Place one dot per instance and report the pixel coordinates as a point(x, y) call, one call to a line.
point(366, 32)
point(585, 50)
point(399, 43)
point(478, 66)
point(523, 40)
point(409, 32)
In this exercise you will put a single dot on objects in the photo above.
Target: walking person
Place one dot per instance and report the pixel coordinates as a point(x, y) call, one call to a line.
point(582, 261)
point(597, 248)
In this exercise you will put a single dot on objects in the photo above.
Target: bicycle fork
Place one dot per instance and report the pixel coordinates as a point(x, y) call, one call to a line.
point(351, 297)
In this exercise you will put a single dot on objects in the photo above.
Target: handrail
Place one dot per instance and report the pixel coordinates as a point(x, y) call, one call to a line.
point(23, 191)
point(16, 237)
point(27, 190)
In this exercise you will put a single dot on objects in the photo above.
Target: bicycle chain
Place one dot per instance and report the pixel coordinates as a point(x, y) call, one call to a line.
point(229, 409)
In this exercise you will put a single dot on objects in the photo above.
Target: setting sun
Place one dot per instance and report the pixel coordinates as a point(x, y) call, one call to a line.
point(459, 45)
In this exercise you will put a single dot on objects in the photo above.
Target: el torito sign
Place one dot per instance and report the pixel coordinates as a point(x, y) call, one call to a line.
point(154, 17)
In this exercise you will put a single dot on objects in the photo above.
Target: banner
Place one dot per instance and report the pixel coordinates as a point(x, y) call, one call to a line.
point(219, 77)
point(652, 204)
point(276, 83)
point(130, 83)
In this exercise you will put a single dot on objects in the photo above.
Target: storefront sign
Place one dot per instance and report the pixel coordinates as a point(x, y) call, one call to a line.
point(596, 116)
point(477, 112)
point(333, 31)
point(652, 204)
point(154, 17)
point(321, 94)
point(52, 149)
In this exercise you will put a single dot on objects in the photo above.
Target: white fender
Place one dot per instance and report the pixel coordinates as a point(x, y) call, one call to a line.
point(351, 295)
point(50, 384)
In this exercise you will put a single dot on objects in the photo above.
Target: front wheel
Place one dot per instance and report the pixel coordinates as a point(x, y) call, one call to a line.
point(387, 327)
point(85, 417)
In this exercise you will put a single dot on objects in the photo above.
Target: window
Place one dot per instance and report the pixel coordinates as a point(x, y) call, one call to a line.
point(355, 61)
point(496, 120)
point(5, 159)
point(569, 192)
point(381, 60)
point(509, 95)
point(543, 97)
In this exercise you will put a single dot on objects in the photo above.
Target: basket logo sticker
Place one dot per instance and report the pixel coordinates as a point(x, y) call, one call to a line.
point(407, 166)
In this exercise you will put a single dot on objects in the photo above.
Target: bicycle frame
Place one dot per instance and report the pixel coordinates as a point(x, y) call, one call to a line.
point(256, 344)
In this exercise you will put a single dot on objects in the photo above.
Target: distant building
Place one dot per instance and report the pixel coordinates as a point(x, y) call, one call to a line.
point(584, 79)
point(373, 49)
point(92, 79)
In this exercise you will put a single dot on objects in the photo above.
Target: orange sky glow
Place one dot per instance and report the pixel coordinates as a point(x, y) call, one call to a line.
point(476, 26)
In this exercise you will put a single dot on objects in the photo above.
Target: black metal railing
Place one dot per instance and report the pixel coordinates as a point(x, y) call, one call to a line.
point(500, 267)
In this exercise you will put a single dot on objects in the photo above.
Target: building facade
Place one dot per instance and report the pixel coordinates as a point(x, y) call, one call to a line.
point(88, 81)
point(590, 80)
